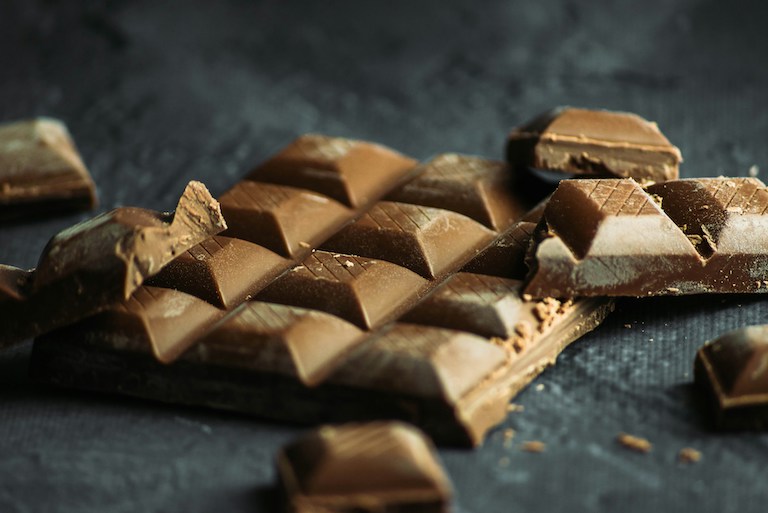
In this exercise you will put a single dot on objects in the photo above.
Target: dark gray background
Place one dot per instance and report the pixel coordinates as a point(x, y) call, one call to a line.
point(158, 93)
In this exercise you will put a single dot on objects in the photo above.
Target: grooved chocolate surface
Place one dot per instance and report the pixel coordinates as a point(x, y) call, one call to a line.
point(378, 466)
point(680, 237)
point(452, 375)
point(595, 142)
point(41, 170)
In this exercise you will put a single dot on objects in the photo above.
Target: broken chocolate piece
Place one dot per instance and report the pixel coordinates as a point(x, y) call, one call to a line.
point(613, 238)
point(100, 262)
point(595, 142)
point(733, 369)
point(366, 468)
point(318, 344)
point(41, 171)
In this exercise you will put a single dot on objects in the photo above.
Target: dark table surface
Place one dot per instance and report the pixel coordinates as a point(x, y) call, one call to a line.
point(158, 93)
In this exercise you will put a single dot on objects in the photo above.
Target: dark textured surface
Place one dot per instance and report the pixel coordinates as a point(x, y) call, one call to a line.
point(156, 95)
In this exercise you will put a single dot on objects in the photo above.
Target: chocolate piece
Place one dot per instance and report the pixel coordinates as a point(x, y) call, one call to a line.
point(375, 467)
point(733, 369)
point(100, 262)
point(40, 170)
point(477, 188)
point(680, 237)
point(331, 348)
point(595, 142)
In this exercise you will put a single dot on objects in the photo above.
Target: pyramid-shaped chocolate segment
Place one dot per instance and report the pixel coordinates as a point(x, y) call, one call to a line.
point(485, 305)
point(421, 361)
point(278, 339)
point(40, 169)
point(428, 241)
point(595, 142)
point(737, 364)
point(332, 166)
point(362, 291)
point(505, 257)
point(364, 467)
point(680, 237)
point(475, 187)
point(102, 261)
point(154, 320)
point(283, 219)
point(222, 271)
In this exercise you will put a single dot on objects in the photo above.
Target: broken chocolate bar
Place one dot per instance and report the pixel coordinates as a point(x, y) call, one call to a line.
point(614, 238)
point(40, 170)
point(594, 142)
point(319, 329)
point(366, 468)
point(100, 262)
point(733, 369)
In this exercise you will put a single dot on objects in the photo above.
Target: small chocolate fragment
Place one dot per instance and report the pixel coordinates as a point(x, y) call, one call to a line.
point(101, 262)
point(613, 238)
point(634, 443)
point(595, 142)
point(41, 171)
point(366, 468)
point(733, 369)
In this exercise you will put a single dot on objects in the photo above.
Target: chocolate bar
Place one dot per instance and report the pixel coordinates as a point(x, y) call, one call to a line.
point(594, 142)
point(705, 235)
point(41, 171)
point(318, 343)
point(366, 468)
point(733, 370)
point(100, 262)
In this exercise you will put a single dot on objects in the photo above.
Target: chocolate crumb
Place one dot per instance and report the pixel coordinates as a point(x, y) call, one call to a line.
point(533, 446)
point(539, 387)
point(689, 455)
point(515, 407)
point(634, 443)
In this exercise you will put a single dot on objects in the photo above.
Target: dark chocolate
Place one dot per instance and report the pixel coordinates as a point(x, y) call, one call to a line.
point(594, 142)
point(101, 262)
point(41, 170)
point(366, 468)
point(614, 238)
point(733, 370)
point(330, 352)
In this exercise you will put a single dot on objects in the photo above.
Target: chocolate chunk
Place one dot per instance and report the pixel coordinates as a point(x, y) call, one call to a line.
point(349, 287)
point(41, 171)
point(100, 262)
point(332, 167)
point(366, 468)
point(612, 237)
point(477, 188)
point(318, 342)
point(733, 369)
point(594, 142)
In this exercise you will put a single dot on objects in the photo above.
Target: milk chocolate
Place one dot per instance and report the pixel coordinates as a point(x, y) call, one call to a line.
point(41, 170)
point(366, 468)
point(733, 371)
point(614, 238)
point(101, 262)
point(594, 142)
point(318, 343)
